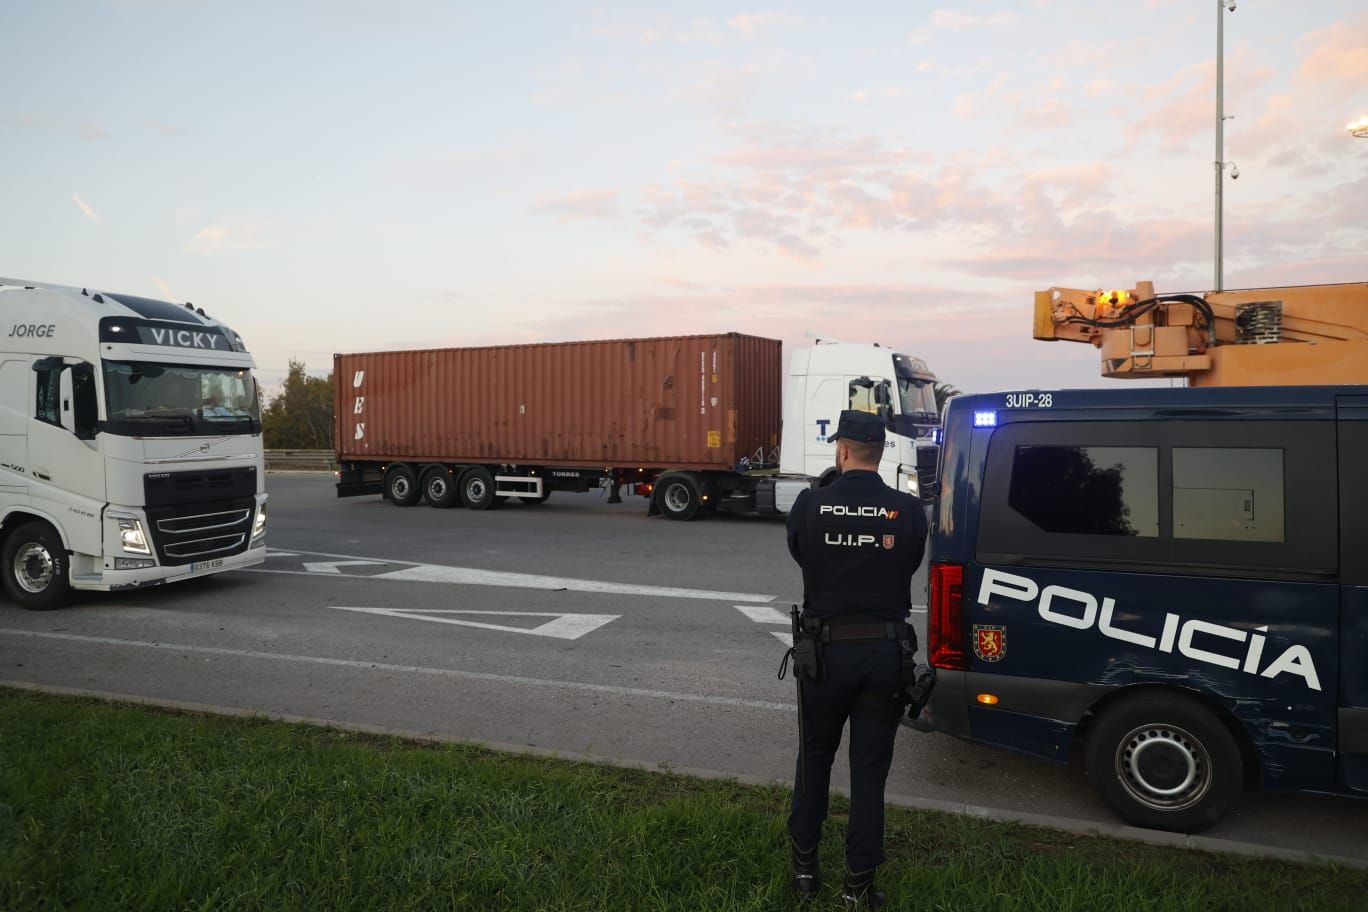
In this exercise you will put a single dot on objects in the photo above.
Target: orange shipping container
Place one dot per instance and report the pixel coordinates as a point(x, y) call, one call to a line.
point(700, 402)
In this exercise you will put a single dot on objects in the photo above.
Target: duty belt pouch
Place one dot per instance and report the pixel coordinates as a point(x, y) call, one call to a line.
point(807, 651)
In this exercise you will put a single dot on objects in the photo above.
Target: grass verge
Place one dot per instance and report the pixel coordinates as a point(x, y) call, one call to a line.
point(119, 807)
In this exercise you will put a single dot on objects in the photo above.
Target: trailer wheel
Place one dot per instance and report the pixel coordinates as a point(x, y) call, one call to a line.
point(1164, 761)
point(34, 565)
point(477, 488)
point(439, 490)
point(401, 487)
point(678, 497)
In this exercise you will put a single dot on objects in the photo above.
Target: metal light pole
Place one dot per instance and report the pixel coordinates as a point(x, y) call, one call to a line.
point(1220, 163)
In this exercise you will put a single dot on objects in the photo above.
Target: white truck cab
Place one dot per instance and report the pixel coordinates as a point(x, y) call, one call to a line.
point(130, 444)
point(832, 376)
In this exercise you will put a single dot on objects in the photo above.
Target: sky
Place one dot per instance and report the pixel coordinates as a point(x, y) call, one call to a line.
point(335, 175)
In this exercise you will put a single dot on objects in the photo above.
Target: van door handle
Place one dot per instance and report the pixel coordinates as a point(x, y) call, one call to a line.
point(41, 474)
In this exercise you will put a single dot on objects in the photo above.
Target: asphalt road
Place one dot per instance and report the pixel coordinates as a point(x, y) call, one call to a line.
point(576, 625)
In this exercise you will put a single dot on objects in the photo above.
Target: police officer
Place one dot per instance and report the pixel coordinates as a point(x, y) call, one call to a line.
point(858, 542)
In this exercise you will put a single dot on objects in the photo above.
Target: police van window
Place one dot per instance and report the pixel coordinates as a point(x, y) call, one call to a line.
point(49, 390)
point(1087, 490)
point(1228, 494)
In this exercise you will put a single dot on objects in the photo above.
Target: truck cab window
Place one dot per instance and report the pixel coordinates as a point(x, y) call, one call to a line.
point(85, 400)
point(48, 408)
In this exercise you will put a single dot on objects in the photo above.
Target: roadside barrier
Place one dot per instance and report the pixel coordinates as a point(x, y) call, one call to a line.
point(301, 461)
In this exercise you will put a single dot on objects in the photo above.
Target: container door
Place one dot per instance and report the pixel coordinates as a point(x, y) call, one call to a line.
point(1353, 512)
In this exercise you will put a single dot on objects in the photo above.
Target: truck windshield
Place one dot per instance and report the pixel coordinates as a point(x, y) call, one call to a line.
point(163, 400)
point(917, 397)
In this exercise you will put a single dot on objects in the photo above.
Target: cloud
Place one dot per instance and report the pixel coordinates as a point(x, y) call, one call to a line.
point(231, 235)
point(859, 97)
point(85, 208)
point(955, 21)
point(81, 129)
point(165, 289)
point(579, 205)
point(749, 24)
point(1335, 58)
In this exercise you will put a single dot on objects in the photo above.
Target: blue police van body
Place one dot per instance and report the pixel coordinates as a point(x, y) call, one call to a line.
point(1167, 585)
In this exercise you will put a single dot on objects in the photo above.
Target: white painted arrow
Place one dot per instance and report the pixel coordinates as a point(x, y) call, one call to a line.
point(332, 566)
point(768, 614)
point(563, 626)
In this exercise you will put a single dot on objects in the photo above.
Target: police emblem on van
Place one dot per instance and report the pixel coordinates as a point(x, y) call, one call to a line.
point(990, 642)
point(888, 541)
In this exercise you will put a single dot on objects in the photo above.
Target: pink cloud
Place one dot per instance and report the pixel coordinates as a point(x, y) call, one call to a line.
point(579, 205)
point(1335, 58)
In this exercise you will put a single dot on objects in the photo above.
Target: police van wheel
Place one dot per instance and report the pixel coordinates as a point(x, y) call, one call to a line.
point(439, 489)
point(401, 486)
point(35, 567)
point(1165, 762)
point(477, 488)
point(678, 498)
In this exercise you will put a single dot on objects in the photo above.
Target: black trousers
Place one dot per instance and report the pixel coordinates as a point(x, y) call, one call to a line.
point(853, 670)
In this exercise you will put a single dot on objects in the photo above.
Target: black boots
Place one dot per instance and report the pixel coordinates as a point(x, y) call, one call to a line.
point(803, 872)
point(858, 891)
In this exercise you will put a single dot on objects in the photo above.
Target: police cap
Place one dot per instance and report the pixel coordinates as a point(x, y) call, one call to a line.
point(858, 427)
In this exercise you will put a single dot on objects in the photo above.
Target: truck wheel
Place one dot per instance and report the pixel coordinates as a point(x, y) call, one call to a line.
point(1164, 761)
point(678, 498)
point(477, 488)
point(35, 567)
point(401, 486)
point(439, 490)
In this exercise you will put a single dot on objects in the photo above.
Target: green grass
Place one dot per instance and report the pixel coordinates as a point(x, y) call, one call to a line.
point(118, 807)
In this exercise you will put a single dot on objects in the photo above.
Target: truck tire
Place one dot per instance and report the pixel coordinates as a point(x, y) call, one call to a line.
point(401, 487)
point(477, 488)
point(677, 497)
point(34, 565)
point(439, 488)
point(1164, 761)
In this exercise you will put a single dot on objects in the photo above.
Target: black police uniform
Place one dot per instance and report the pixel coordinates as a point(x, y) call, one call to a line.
point(859, 542)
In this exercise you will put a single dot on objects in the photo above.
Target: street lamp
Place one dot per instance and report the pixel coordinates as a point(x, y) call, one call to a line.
point(1359, 128)
point(1222, 6)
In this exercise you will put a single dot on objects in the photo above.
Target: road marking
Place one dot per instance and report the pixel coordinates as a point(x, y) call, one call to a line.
point(469, 576)
point(455, 673)
point(272, 552)
point(565, 626)
point(332, 566)
point(763, 614)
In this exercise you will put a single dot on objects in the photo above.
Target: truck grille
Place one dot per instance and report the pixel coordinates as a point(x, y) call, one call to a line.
point(200, 515)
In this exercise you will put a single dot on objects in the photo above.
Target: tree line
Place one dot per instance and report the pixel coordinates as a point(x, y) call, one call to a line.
point(300, 416)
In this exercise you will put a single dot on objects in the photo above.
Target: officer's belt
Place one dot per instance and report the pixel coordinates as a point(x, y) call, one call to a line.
point(834, 630)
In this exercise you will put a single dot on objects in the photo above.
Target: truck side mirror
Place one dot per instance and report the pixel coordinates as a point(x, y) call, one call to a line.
point(65, 399)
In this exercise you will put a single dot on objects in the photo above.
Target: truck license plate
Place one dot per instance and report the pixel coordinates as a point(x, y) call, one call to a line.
point(200, 566)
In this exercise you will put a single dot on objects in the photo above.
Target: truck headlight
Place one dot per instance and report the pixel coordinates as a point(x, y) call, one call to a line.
point(912, 485)
point(259, 526)
point(132, 536)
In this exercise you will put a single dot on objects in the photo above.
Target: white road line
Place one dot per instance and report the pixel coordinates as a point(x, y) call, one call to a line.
point(763, 614)
point(333, 566)
point(405, 669)
point(565, 626)
point(784, 636)
point(468, 576)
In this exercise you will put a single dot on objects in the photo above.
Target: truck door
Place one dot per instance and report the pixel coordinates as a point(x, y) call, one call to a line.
point(1353, 513)
point(65, 466)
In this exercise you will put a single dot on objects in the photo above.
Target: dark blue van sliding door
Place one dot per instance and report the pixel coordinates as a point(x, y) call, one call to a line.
point(1353, 512)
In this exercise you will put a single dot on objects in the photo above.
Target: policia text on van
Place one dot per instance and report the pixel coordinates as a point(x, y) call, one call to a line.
point(1174, 582)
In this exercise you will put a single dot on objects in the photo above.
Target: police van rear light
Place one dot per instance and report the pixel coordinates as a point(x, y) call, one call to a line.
point(985, 419)
point(945, 620)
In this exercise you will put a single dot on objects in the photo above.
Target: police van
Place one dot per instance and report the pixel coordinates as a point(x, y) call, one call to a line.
point(1169, 586)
